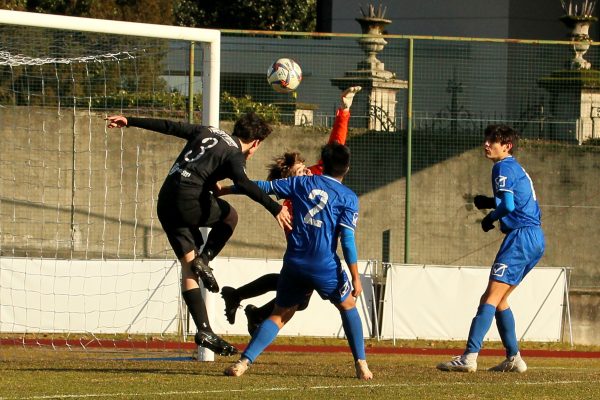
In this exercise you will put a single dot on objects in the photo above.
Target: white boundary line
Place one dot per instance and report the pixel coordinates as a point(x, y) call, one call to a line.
point(296, 388)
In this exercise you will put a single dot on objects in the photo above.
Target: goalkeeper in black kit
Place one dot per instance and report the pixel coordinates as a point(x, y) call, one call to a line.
point(186, 203)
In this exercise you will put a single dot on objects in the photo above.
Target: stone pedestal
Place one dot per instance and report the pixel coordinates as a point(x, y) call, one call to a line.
point(575, 98)
point(300, 114)
point(380, 100)
point(379, 85)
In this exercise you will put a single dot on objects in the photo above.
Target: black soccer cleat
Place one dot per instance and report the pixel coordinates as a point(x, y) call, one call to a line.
point(204, 273)
point(214, 343)
point(232, 302)
point(254, 320)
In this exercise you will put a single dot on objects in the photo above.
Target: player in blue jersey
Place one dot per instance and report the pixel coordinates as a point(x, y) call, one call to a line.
point(516, 207)
point(324, 211)
point(284, 166)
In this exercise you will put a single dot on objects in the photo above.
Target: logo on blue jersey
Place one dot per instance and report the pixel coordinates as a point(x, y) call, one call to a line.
point(500, 181)
point(498, 269)
point(354, 219)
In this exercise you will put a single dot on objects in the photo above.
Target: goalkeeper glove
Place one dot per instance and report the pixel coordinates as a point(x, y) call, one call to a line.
point(484, 202)
point(487, 223)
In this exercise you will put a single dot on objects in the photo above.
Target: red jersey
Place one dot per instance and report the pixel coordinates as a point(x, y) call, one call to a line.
point(338, 134)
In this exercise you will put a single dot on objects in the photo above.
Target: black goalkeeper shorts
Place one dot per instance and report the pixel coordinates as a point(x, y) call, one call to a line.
point(182, 219)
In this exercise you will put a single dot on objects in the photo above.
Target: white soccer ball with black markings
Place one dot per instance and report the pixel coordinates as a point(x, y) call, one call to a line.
point(284, 75)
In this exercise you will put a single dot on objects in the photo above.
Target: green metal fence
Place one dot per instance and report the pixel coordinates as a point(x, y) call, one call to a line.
point(416, 174)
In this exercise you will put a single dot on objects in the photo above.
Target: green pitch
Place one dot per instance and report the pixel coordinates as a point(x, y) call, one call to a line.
point(29, 373)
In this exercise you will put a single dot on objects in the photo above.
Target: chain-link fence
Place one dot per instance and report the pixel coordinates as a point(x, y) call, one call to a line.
point(434, 120)
point(459, 86)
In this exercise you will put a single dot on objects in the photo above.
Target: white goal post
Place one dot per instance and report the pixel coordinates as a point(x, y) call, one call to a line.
point(47, 131)
point(209, 38)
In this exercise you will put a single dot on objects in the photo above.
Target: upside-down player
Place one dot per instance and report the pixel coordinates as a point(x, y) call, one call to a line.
point(284, 166)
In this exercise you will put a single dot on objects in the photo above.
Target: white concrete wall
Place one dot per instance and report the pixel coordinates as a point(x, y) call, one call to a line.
point(143, 297)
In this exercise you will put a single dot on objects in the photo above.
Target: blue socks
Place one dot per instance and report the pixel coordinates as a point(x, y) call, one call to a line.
point(264, 335)
point(505, 322)
point(268, 330)
point(479, 327)
point(354, 332)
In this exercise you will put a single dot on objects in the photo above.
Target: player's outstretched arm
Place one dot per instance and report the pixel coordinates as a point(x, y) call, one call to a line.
point(348, 96)
point(180, 129)
point(339, 132)
point(116, 121)
point(265, 186)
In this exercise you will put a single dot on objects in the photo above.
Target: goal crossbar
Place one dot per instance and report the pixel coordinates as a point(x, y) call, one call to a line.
point(209, 38)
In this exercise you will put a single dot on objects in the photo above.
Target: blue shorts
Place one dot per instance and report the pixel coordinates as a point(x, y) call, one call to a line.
point(295, 286)
point(519, 252)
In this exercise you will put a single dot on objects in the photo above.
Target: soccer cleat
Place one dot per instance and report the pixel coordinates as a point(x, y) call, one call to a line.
point(253, 320)
point(232, 302)
point(511, 364)
point(238, 368)
point(204, 273)
point(214, 343)
point(348, 96)
point(362, 370)
point(459, 364)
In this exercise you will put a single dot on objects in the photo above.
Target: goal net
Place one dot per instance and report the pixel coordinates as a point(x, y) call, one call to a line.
point(83, 260)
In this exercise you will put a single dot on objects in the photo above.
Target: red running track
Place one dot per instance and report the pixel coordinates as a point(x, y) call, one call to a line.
point(159, 345)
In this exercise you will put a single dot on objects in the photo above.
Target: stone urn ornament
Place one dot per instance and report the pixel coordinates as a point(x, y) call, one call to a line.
point(372, 23)
point(578, 17)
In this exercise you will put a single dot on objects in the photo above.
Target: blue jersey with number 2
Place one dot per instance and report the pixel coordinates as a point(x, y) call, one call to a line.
point(322, 205)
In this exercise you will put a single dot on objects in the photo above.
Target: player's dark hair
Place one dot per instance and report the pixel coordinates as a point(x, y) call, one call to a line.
point(502, 134)
point(251, 127)
point(336, 159)
point(280, 167)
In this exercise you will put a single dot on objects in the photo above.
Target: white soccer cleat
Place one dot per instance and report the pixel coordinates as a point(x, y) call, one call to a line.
point(362, 370)
point(459, 364)
point(238, 368)
point(511, 364)
point(348, 96)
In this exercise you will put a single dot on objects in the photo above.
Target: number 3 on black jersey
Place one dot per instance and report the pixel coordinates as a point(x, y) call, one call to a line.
point(212, 142)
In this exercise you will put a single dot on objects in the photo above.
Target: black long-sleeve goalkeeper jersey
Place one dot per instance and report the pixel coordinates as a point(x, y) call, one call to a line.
point(209, 156)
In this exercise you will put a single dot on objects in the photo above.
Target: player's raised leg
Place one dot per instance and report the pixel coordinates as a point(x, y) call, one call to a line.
point(220, 233)
point(234, 296)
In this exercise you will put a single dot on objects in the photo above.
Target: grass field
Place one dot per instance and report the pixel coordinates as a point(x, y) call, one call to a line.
point(29, 373)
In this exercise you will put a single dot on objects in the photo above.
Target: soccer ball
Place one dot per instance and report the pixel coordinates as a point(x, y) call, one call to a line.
point(284, 75)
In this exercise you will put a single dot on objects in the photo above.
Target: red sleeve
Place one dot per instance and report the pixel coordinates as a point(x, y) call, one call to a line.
point(288, 204)
point(338, 134)
point(317, 169)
